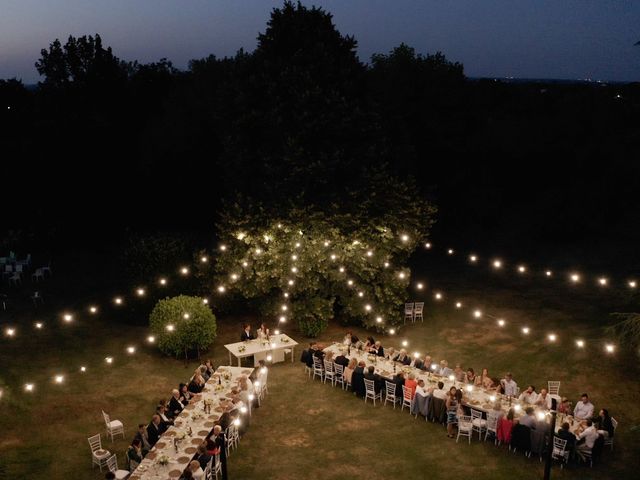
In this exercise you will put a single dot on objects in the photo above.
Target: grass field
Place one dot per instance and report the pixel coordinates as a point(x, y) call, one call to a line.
point(304, 428)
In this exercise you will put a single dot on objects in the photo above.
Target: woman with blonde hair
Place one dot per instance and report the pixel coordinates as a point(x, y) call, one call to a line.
point(348, 371)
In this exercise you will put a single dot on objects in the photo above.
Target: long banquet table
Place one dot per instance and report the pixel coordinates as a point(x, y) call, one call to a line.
point(193, 416)
point(261, 348)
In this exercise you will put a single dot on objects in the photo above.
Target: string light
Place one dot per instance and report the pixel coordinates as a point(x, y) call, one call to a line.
point(497, 264)
point(170, 327)
point(405, 343)
point(392, 331)
point(548, 273)
point(258, 251)
point(458, 304)
point(185, 316)
point(438, 296)
point(349, 282)
point(131, 350)
point(284, 308)
point(204, 259)
point(603, 281)
point(58, 378)
point(473, 258)
point(450, 251)
point(370, 253)
point(326, 243)
point(221, 289)
point(341, 269)
point(205, 301)
point(269, 358)
point(234, 276)
point(452, 377)
point(243, 409)
point(67, 317)
point(241, 235)
point(379, 319)
point(501, 322)
point(367, 307)
point(402, 275)
point(151, 339)
point(477, 313)
point(575, 278)
point(93, 309)
point(552, 337)
point(609, 348)
point(333, 256)
point(294, 257)
point(361, 294)
point(419, 286)
point(245, 264)
point(140, 292)
point(39, 325)
point(29, 387)
point(522, 269)
point(10, 332)
point(404, 238)
point(290, 282)
point(294, 269)
point(297, 245)
point(118, 301)
point(632, 283)
point(283, 319)
point(83, 369)
point(109, 360)
point(386, 264)
point(526, 330)
point(223, 247)
point(580, 343)
point(277, 332)
point(184, 271)
point(427, 246)
point(162, 281)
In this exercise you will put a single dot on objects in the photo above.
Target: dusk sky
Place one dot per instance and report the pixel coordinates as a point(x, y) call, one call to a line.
point(567, 39)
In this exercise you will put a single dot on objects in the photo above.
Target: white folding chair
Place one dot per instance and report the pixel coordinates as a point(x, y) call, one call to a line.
point(370, 391)
point(465, 427)
point(491, 427)
point(114, 427)
point(37, 275)
point(408, 312)
point(338, 374)
point(406, 398)
point(112, 465)
point(390, 393)
point(317, 368)
point(553, 387)
point(233, 437)
point(478, 423)
point(608, 440)
point(328, 371)
point(217, 466)
point(417, 312)
point(559, 451)
point(99, 455)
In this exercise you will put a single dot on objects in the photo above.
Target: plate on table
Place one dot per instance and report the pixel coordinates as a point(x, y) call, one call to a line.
point(183, 459)
point(151, 456)
point(184, 414)
point(203, 433)
point(209, 425)
point(175, 473)
point(196, 441)
point(191, 406)
point(170, 433)
point(161, 445)
point(219, 409)
point(190, 450)
point(213, 417)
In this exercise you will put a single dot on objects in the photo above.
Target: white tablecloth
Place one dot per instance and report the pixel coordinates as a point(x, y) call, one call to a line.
point(259, 349)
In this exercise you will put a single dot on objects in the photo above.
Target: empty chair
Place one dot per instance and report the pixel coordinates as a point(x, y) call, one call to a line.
point(390, 393)
point(37, 275)
point(99, 455)
point(15, 279)
point(560, 451)
point(608, 440)
point(417, 312)
point(26, 262)
point(338, 374)
point(491, 427)
point(370, 391)
point(553, 387)
point(465, 427)
point(478, 423)
point(233, 437)
point(406, 398)
point(114, 427)
point(408, 312)
point(112, 465)
point(37, 298)
point(328, 371)
point(317, 368)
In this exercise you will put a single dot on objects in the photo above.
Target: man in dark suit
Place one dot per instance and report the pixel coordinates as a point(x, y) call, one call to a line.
point(565, 434)
point(418, 363)
point(371, 375)
point(341, 360)
point(307, 355)
point(155, 429)
point(398, 379)
point(202, 456)
point(246, 333)
point(175, 405)
point(142, 436)
point(220, 442)
point(357, 380)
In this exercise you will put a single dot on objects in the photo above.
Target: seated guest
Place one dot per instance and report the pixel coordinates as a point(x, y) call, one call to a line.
point(390, 353)
point(185, 394)
point(134, 454)
point(440, 392)
point(329, 356)
point(417, 362)
point(586, 440)
point(155, 429)
point(565, 406)
point(565, 434)
point(584, 408)
point(377, 349)
point(143, 438)
point(318, 351)
point(197, 383)
point(341, 360)
point(470, 376)
point(370, 343)
point(398, 379)
point(403, 357)
point(196, 470)
point(484, 380)
point(210, 444)
point(246, 333)
point(411, 384)
point(350, 339)
point(544, 399)
point(509, 386)
point(202, 456)
point(161, 410)
point(348, 371)
point(505, 426)
point(529, 395)
point(357, 380)
point(307, 355)
point(263, 332)
point(458, 373)
point(203, 372)
point(370, 374)
point(604, 424)
point(427, 363)
point(421, 389)
point(210, 369)
point(528, 419)
point(444, 369)
point(175, 406)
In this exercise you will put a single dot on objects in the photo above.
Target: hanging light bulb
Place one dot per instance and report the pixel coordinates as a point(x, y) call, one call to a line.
point(419, 286)
point(575, 278)
point(438, 296)
point(497, 264)
point(501, 322)
point(580, 343)
point(473, 258)
point(427, 245)
point(458, 304)
point(526, 330)
point(548, 273)
point(477, 313)
point(162, 281)
point(522, 268)
point(450, 251)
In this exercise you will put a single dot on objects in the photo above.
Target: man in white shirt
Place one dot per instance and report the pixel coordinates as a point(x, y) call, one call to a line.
point(544, 399)
point(509, 385)
point(584, 408)
point(420, 389)
point(529, 395)
point(440, 392)
point(590, 435)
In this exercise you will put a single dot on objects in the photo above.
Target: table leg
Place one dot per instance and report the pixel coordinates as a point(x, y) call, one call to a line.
point(239, 359)
point(229, 357)
point(293, 353)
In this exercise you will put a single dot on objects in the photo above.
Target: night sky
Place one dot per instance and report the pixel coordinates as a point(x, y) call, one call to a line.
point(568, 39)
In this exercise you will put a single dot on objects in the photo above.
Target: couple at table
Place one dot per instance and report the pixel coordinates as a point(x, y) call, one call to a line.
point(263, 332)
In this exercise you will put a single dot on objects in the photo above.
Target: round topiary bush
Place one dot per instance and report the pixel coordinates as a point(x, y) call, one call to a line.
point(182, 324)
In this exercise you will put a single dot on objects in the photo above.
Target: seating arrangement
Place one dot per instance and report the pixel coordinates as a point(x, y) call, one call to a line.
point(370, 391)
point(114, 427)
point(413, 311)
point(465, 427)
point(390, 393)
point(112, 465)
point(99, 455)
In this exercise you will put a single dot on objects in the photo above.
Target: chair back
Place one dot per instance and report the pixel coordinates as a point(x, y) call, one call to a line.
point(553, 387)
point(476, 414)
point(492, 421)
point(370, 387)
point(328, 366)
point(408, 308)
point(391, 388)
point(338, 369)
point(464, 422)
point(419, 307)
point(614, 422)
point(559, 447)
point(95, 443)
point(317, 363)
point(107, 419)
point(112, 463)
point(406, 393)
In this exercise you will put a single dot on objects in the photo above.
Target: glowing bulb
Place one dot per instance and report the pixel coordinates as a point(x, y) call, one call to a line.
point(223, 247)
point(497, 264)
point(204, 259)
point(458, 304)
point(609, 348)
point(379, 319)
point(279, 225)
point(221, 289)
point(267, 238)
point(552, 337)
point(28, 387)
point(632, 284)
point(276, 332)
point(326, 243)
point(117, 301)
point(273, 345)
point(151, 339)
point(477, 313)
point(294, 257)
point(405, 238)
point(234, 276)
point(290, 282)
point(243, 409)
point(184, 271)
point(501, 322)
point(386, 264)
point(140, 292)
point(294, 269)
point(469, 388)
point(540, 416)
point(452, 377)
point(367, 307)
point(575, 278)
point(93, 309)
point(297, 244)
point(427, 245)
point(258, 251)
point(370, 253)
point(109, 360)
point(241, 235)
point(269, 358)
point(170, 328)
point(67, 317)
point(163, 281)
point(450, 251)
point(58, 378)
point(39, 325)
point(580, 343)
point(517, 408)
point(522, 268)
point(473, 258)
point(251, 397)
point(245, 264)
point(350, 282)
point(419, 286)
point(402, 275)
point(10, 332)
point(236, 422)
point(185, 316)
point(205, 301)
point(434, 366)
point(492, 398)
point(438, 296)
point(341, 269)
point(548, 273)
point(333, 256)
point(416, 354)
point(83, 369)
point(526, 330)
point(286, 295)
point(392, 331)
point(283, 318)
point(603, 281)
point(405, 343)
point(263, 370)
point(284, 308)
point(361, 294)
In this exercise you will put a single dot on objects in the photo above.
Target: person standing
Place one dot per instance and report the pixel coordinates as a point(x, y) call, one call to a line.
point(246, 333)
point(221, 444)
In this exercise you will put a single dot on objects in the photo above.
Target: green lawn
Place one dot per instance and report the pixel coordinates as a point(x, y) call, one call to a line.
point(304, 428)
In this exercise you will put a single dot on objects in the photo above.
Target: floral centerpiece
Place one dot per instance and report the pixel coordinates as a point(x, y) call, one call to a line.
point(163, 460)
point(284, 339)
point(208, 403)
point(196, 416)
point(181, 435)
point(226, 376)
point(218, 388)
point(241, 348)
point(372, 358)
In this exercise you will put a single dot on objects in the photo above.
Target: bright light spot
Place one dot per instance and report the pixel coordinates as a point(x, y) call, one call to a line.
point(379, 319)
point(28, 387)
point(273, 345)
point(117, 301)
point(580, 343)
point(575, 277)
point(469, 388)
point(204, 259)
point(109, 360)
point(497, 264)
point(522, 268)
point(438, 296)
point(427, 245)
point(552, 337)
point(434, 366)
point(205, 301)
point(58, 378)
point(405, 343)
point(297, 244)
point(367, 307)
point(258, 251)
point(548, 273)
point(251, 397)
point(356, 242)
point(452, 377)
point(290, 282)
point(326, 243)
point(370, 253)
point(241, 235)
point(83, 369)
point(184, 271)
point(477, 313)
point(402, 275)
point(473, 258)
point(279, 225)
point(602, 281)
point(234, 276)
point(93, 309)
point(284, 308)
point(236, 422)
point(392, 331)
point(243, 409)
point(632, 284)
point(222, 289)
point(286, 295)
point(526, 330)
point(386, 264)
point(283, 318)
point(540, 416)
point(517, 408)
point(39, 325)
point(170, 327)
point(609, 348)
point(10, 332)
point(245, 264)
point(294, 269)
point(361, 294)
point(163, 281)
point(140, 292)
point(67, 317)
point(151, 339)
point(450, 251)
point(294, 257)
point(419, 286)
point(185, 316)
point(416, 354)
point(223, 247)
point(501, 322)
point(492, 398)
point(404, 238)
point(269, 358)
point(267, 238)
point(333, 256)
point(350, 282)
point(341, 269)
point(458, 304)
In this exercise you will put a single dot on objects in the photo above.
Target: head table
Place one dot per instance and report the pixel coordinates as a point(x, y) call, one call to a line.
point(261, 347)
point(177, 446)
